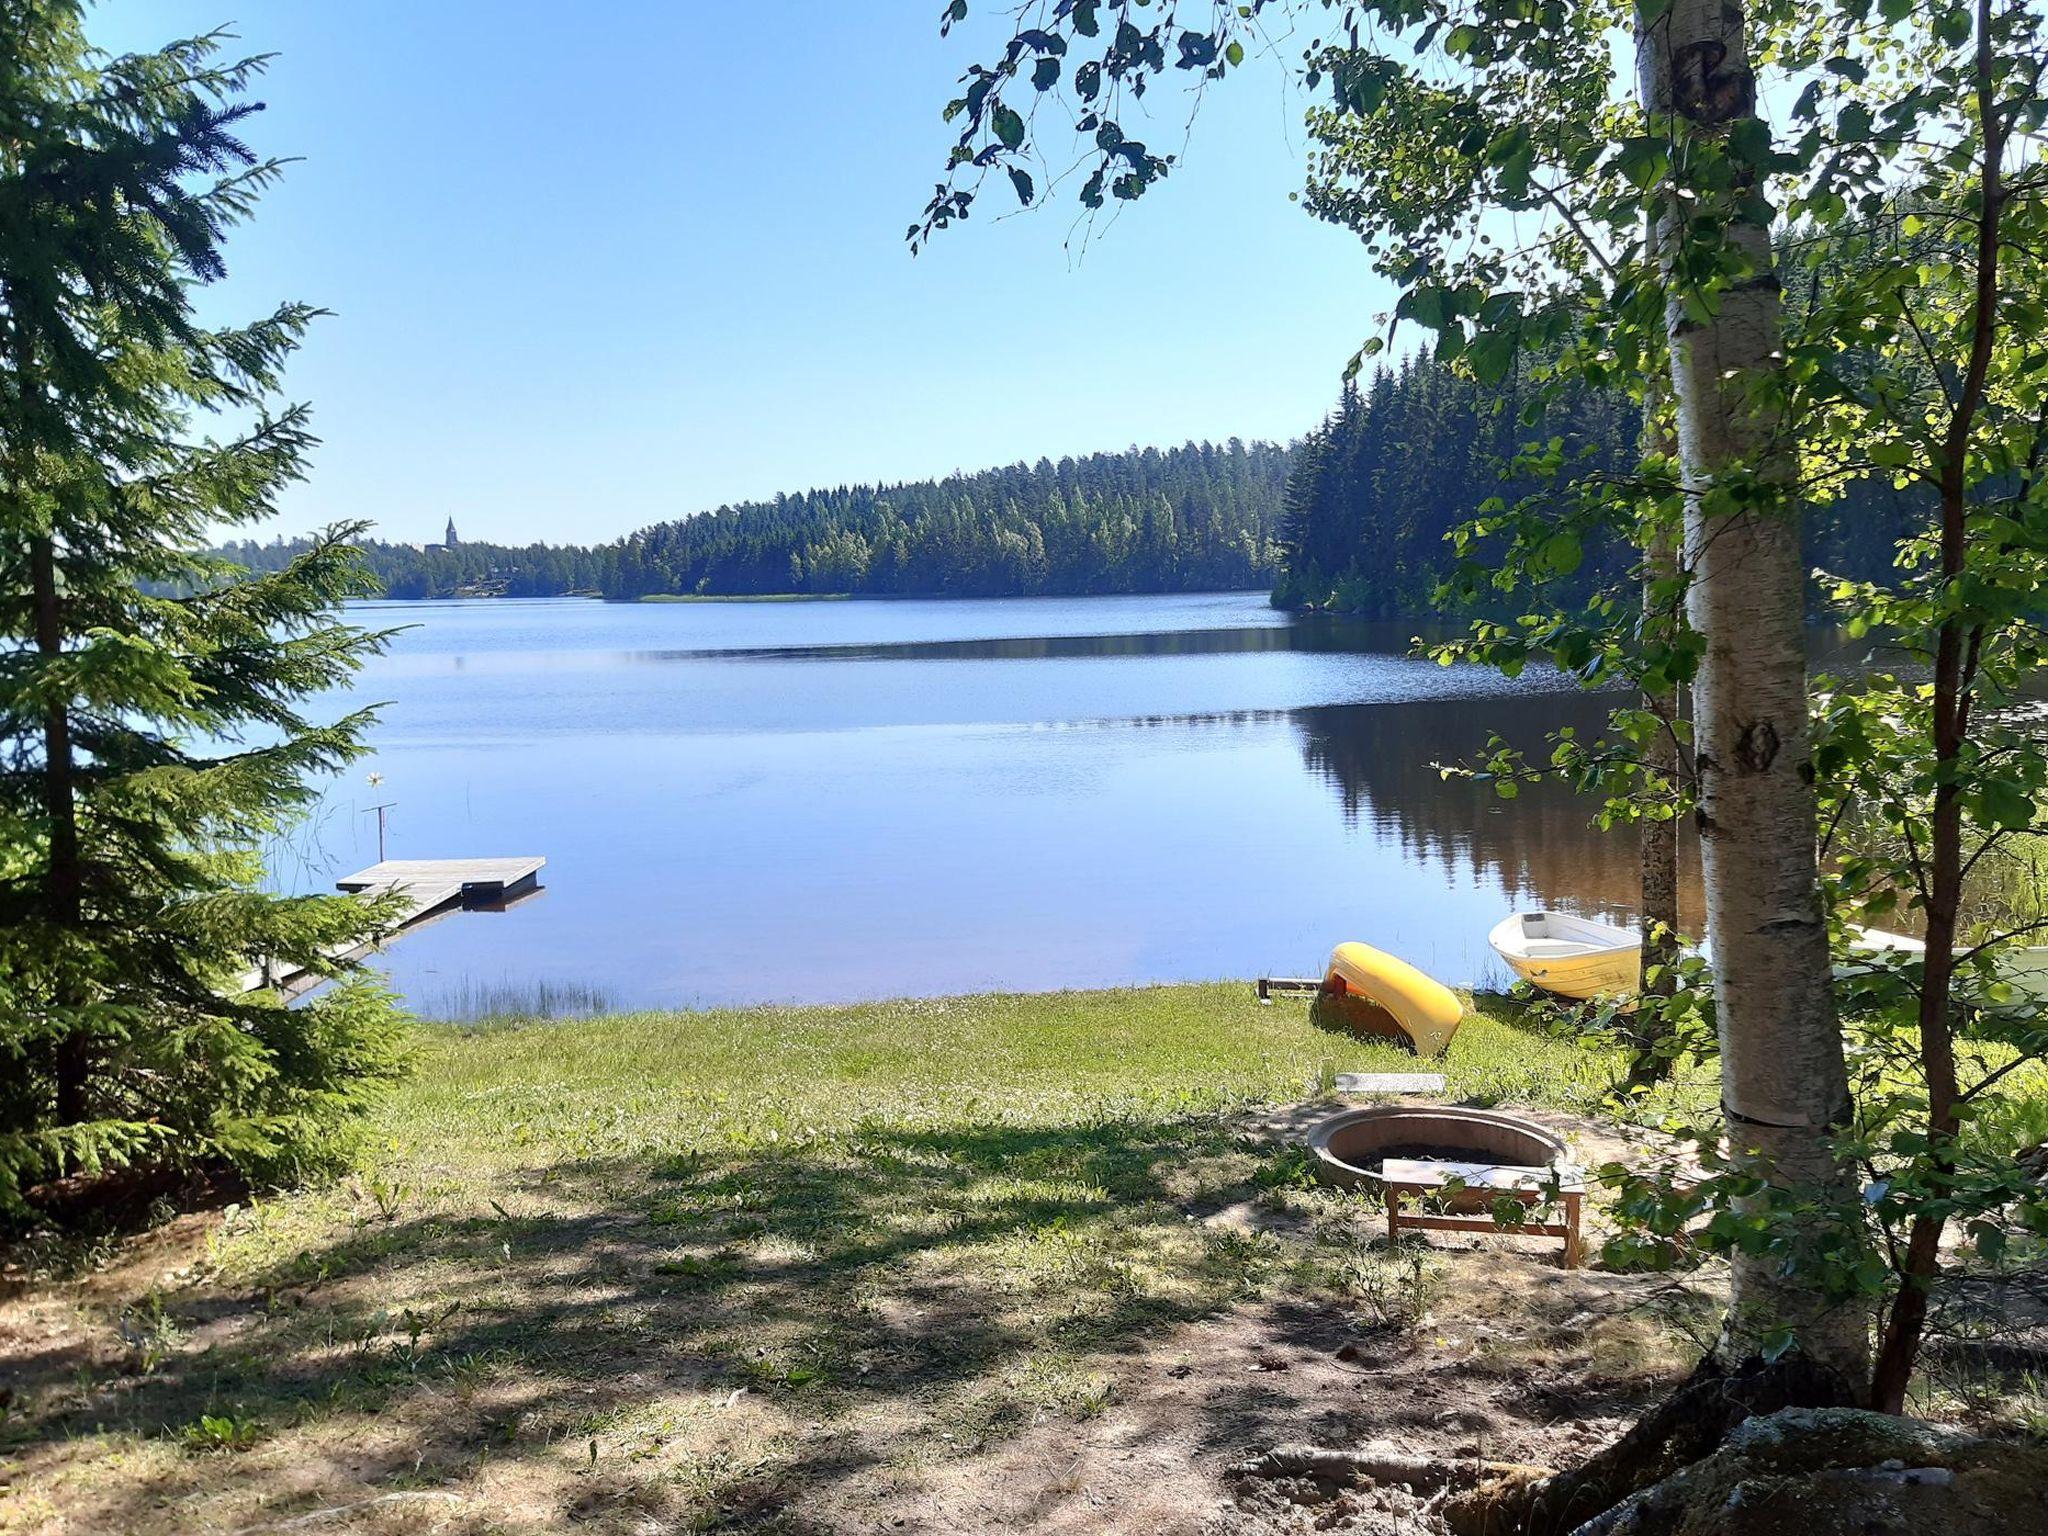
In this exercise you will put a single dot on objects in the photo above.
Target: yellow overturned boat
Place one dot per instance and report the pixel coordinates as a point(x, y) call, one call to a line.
point(1375, 993)
point(1571, 956)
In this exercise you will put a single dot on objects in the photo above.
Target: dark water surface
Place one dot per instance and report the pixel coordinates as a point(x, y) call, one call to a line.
point(743, 802)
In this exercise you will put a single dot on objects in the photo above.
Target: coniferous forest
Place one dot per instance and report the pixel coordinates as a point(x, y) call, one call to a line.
point(1197, 518)
point(1353, 517)
point(1378, 486)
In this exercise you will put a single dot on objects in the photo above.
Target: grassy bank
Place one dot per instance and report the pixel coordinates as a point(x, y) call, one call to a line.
point(652, 1084)
point(710, 1268)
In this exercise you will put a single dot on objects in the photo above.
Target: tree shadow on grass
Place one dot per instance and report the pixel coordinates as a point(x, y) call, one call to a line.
point(735, 1336)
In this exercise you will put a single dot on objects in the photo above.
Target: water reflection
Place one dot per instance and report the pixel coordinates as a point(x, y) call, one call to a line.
point(1385, 764)
point(1310, 635)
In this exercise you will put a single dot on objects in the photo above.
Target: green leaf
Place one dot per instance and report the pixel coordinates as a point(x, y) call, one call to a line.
point(1426, 304)
point(1046, 73)
point(1021, 180)
point(2005, 804)
point(1009, 127)
point(1643, 161)
point(1492, 354)
point(1234, 54)
point(1750, 141)
point(1561, 553)
point(1516, 170)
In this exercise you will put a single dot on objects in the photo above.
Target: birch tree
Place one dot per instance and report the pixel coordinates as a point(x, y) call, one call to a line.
point(1502, 173)
point(1784, 1079)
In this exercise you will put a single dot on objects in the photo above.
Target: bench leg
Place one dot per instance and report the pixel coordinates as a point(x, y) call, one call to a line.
point(1393, 1217)
point(1571, 1231)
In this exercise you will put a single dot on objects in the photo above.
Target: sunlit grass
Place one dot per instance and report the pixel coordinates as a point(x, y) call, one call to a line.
point(735, 1078)
point(695, 1252)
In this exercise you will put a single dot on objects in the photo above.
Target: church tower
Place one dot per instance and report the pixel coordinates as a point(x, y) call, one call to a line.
point(451, 541)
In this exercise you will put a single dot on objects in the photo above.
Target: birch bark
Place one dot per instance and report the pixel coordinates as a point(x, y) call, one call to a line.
point(1784, 1083)
point(1660, 623)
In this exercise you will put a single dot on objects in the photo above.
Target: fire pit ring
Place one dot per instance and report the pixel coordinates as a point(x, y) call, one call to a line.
point(1491, 1154)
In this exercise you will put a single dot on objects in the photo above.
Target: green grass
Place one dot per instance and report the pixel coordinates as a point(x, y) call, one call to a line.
point(731, 1259)
point(651, 1084)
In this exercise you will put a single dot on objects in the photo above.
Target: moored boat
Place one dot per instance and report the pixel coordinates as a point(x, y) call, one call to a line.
point(1572, 956)
point(1376, 993)
point(2024, 967)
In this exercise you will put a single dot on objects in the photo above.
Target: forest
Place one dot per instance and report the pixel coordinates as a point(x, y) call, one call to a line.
point(1354, 517)
point(1378, 486)
point(1200, 517)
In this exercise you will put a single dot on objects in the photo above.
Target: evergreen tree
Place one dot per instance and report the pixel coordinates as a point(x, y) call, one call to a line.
point(1379, 487)
point(150, 743)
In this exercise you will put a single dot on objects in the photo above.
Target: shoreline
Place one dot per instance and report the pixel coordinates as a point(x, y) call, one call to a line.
point(1481, 1001)
point(815, 597)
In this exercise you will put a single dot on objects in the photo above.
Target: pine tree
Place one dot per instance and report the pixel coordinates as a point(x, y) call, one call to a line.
point(150, 743)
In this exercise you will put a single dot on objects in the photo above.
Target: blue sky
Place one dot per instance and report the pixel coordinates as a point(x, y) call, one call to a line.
point(602, 264)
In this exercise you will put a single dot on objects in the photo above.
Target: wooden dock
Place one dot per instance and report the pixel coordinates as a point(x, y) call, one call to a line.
point(432, 888)
point(431, 884)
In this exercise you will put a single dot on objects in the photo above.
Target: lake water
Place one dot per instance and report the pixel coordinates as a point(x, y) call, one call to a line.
point(746, 802)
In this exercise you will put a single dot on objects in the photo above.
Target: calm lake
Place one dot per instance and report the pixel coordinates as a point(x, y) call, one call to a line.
point(748, 802)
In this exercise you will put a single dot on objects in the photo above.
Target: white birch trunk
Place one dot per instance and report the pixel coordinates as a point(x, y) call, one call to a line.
point(1658, 840)
point(1784, 1084)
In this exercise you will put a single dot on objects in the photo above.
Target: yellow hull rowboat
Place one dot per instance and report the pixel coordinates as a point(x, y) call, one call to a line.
point(1371, 991)
point(1571, 956)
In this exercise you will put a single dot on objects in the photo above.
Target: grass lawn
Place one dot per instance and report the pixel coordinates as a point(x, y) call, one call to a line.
point(915, 1264)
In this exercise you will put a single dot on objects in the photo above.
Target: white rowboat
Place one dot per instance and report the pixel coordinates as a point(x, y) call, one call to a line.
point(1571, 956)
point(2024, 967)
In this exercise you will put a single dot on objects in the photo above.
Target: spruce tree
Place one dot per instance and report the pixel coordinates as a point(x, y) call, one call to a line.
point(154, 718)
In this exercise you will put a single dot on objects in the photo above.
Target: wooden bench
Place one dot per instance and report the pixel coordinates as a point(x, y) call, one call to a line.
point(1424, 1177)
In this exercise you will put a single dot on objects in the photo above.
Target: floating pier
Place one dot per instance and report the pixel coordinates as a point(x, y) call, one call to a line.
point(432, 889)
point(433, 884)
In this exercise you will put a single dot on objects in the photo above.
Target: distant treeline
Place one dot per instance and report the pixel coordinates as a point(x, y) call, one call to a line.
point(1399, 464)
point(1198, 518)
point(1354, 518)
